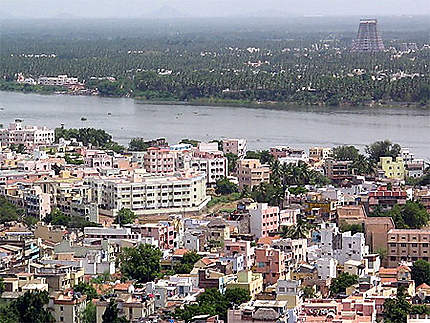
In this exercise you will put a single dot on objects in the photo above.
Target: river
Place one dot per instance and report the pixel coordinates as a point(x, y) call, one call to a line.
point(263, 128)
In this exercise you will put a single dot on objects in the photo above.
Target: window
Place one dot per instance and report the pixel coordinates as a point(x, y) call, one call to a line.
point(403, 244)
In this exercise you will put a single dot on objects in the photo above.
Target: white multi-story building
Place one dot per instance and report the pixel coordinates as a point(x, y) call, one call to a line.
point(152, 194)
point(342, 246)
point(328, 232)
point(60, 80)
point(294, 249)
point(353, 247)
point(234, 146)
point(326, 268)
point(319, 153)
point(215, 168)
point(92, 234)
point(29, 136)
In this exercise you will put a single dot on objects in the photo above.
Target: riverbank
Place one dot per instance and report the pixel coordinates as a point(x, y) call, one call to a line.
point(213, 102)
point(277, 105)
point(263, 128)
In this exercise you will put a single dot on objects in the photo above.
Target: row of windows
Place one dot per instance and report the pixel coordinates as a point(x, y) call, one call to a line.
point(425, 245)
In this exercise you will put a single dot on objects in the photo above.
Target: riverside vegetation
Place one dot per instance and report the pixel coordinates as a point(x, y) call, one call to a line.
point(257, 63)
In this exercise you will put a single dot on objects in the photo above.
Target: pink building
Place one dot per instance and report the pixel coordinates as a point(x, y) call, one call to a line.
point(270, 263)
point(98, 159)
point(234, 146)
point(29, 136)
point(163, 232)
point(351, 310)
point(264, 220)
point(233, 247)
point(280, 151)
point(159, 160)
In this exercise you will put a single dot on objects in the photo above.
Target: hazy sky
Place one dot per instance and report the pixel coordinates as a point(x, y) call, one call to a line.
point(208, 8)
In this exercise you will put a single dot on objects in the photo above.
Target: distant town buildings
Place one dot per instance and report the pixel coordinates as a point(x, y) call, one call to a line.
point(60, 80)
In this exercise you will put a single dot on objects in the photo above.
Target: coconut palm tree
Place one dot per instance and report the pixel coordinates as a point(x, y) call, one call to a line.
point(299, 231)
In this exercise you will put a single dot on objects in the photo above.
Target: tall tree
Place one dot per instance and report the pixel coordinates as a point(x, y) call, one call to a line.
point(141, 263)
point(89, 314)
point(300, 230)
point(187, 263)
point(396, 310)
point(383, 148)
point(86, 289)
point(225, 187)
point(421, 272)
point(341, 282)
point(232, 162)
point(125, 216)
point(31, 307)
point(1, 285)
point(345, 153)
point(111, 314)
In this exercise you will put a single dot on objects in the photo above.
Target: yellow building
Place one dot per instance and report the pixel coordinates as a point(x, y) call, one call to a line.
point(252, 282)
point(392, 169)
point(289, 290)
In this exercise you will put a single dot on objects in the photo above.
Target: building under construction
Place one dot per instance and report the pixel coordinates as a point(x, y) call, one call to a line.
point(368, 37)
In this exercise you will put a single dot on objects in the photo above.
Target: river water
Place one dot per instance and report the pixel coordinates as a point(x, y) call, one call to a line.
point(297, 127)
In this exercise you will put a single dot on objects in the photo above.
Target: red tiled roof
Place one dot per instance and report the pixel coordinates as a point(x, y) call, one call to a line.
point(207, 261)
point(387, 271)
point(388, 280)
point(423, 286)
point(267, 240)
point(180, 252)
point(122, 286)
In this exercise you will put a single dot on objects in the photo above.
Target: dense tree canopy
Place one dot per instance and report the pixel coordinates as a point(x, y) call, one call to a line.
point(112, 315)
point(31, 307)
point(187, 262)
point(383, 148)
point(141, 263)
point(212, 302)
point(125, 216)
point(95, 137)
point(341, 282)
point(412, 215)
point(8, 211)
point(221, 64)
point(57, 217)
point(86, 289)
point(225, 187)
point(89, 314)
point(421, 272)
point(397, 309)
point(345, 153)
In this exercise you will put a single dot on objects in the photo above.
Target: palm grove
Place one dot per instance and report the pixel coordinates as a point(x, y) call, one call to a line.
point(298, 67)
